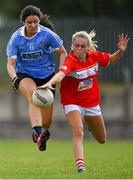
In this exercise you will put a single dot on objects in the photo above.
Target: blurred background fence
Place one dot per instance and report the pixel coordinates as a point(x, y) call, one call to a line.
point(115, 81)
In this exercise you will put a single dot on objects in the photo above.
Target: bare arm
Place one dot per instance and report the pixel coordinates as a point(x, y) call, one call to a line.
point(55, 79)
point(122, 45)
point(11, 64)
point(59, 75)
point(63, 55)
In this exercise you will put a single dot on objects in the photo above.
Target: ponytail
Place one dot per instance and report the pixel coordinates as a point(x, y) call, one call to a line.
point(46, 22)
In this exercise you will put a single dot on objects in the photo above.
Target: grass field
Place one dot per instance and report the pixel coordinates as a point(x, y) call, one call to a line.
point(22, 160)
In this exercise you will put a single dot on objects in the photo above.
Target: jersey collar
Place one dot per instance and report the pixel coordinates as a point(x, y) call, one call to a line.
point(75, 58)
point(22, 32)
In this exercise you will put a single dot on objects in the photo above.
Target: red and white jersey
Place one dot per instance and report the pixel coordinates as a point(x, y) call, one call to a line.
point(80, 86)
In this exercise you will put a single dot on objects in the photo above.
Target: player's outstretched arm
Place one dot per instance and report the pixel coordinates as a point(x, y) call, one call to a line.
point(55, 79)
point(122, 45)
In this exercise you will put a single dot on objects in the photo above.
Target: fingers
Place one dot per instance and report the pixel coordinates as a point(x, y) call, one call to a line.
point(122, 42)
point(40, 87)
point(43, 87)
point(123, 37)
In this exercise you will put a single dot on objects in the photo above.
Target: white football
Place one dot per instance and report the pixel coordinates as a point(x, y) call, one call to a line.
point(42, 97)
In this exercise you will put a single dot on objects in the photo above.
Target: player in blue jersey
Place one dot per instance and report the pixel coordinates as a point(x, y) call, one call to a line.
point(30, 64)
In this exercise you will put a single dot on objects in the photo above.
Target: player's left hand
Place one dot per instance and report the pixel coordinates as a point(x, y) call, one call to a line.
point(122, 42)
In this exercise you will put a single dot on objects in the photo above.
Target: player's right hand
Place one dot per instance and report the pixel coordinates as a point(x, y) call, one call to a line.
point(47, 85)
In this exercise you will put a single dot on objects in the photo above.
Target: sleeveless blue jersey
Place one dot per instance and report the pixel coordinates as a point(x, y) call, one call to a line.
point(34, 55)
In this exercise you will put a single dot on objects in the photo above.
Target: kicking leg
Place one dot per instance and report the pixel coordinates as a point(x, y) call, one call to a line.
point(97, 127)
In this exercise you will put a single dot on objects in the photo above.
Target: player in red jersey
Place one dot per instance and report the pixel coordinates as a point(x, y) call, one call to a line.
point(80, 94)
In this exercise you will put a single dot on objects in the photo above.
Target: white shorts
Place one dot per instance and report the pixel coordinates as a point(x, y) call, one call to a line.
point(94, 111)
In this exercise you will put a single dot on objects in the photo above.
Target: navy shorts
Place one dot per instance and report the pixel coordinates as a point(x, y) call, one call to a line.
point(38, 81)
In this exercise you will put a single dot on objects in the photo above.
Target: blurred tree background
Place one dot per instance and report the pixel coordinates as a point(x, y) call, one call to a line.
point(95, 8)
point(107, 17)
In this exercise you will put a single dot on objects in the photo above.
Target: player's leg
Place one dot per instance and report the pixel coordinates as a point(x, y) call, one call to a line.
point(46, 113)
point(46, 123)
point(27, 87)
point(76, 123)
point(47, 119)
point(47, 116)
point(97, 127)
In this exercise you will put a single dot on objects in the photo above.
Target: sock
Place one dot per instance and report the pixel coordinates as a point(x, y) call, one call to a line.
point(46, 132)
point(37, 130)
point(80, 163)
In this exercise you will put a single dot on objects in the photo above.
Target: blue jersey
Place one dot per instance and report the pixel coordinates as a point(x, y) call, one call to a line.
point(34, 55)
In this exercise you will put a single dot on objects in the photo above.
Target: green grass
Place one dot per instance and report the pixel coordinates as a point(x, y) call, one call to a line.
point(22, 160)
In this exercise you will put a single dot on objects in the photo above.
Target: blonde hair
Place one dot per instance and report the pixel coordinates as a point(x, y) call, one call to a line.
point(91, 44)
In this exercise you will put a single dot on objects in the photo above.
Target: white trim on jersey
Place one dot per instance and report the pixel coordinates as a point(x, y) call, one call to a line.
point(14, 57)
point(22, 32)
point(84, 73)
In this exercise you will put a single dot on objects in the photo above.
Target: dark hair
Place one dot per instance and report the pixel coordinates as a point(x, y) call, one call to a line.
point(46, 22)
point(33, 10)
point(30, 10)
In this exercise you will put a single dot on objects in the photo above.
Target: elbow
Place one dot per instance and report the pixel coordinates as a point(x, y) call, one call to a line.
point(113, 61)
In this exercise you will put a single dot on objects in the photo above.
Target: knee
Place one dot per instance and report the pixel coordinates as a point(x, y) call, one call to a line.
point(101, 140)
point(78, 132)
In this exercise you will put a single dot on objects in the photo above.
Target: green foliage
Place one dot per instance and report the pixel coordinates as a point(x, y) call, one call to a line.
point(113, 8)
point(22, 160)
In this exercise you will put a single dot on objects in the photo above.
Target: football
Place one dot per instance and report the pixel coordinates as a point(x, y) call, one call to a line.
point(42, 97)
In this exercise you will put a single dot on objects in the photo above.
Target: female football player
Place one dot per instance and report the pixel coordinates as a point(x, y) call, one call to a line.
point(82, 99)
point(30, 64)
